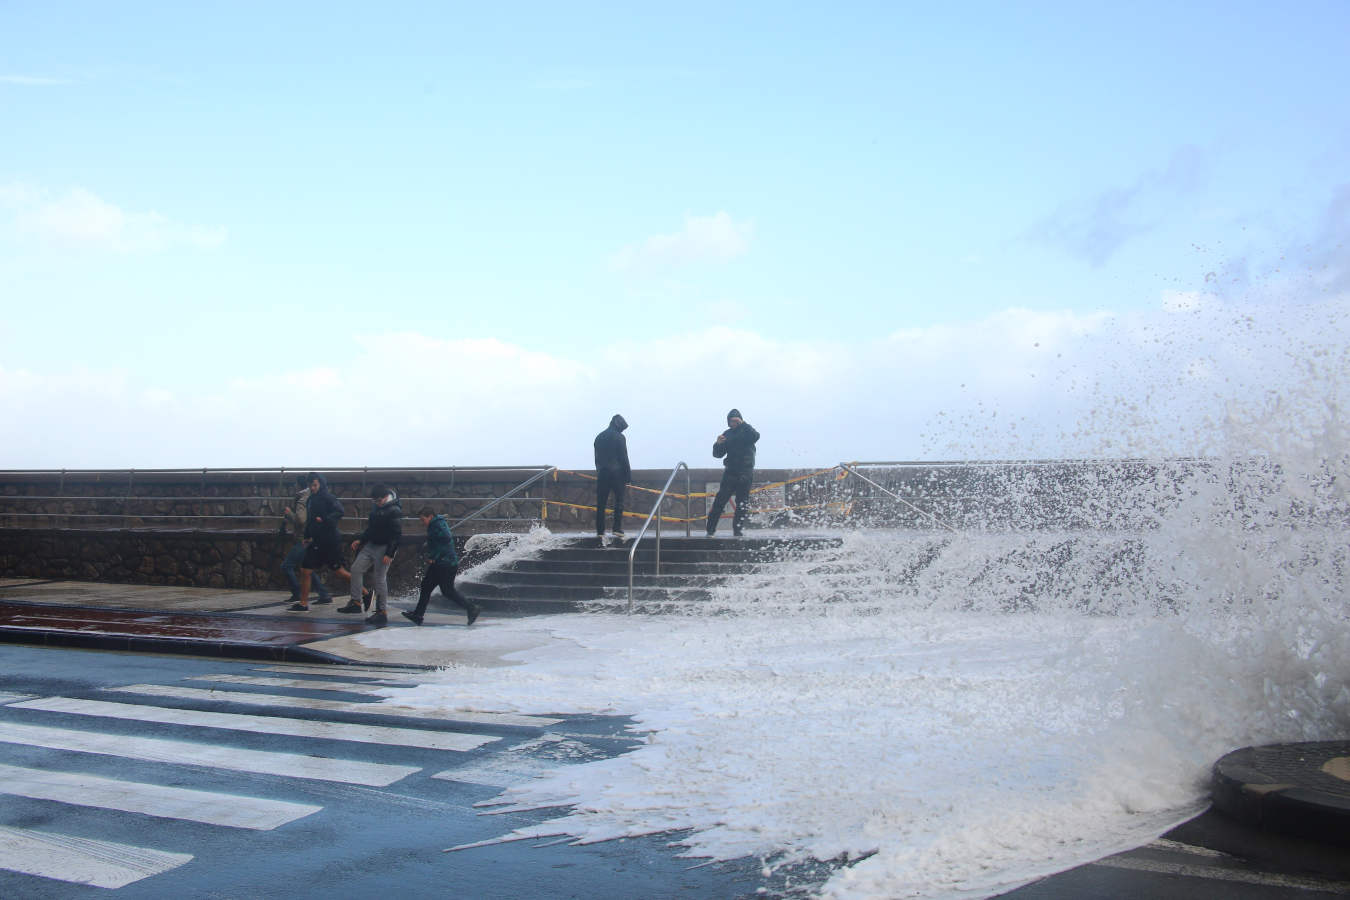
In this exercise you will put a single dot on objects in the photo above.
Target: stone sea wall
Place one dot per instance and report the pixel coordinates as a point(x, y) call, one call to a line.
point(219, 528)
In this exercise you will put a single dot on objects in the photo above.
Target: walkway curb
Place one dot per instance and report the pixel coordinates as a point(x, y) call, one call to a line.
point(213, 634)
point(1297, 789)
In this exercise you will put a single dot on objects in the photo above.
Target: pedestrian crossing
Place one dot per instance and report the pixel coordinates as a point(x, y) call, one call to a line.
point(185, 766)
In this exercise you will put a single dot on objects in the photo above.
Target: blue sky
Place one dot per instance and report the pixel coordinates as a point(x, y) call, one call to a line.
point(485, 230)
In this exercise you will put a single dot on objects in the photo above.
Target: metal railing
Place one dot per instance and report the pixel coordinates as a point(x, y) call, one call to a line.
point(656, 514)
point(238, 509)
point(507, 496)
point(894, 496)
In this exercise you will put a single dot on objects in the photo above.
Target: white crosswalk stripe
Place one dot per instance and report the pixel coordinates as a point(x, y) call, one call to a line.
point(82, 789)
point(28, 727)
point(237, 759)
point(340, 706)
point(103, 864)
point(377, 673)
point(308, 684)
point(341, 731)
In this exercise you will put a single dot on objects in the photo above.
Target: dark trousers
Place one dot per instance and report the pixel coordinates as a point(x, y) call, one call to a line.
point(607, 483)
point(291, 563)
point(440, 575)
point(739, 485)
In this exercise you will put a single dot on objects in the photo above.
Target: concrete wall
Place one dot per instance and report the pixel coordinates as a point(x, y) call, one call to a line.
point(219, 528)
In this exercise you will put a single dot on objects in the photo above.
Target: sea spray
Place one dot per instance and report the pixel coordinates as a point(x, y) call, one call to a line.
point(948, 714)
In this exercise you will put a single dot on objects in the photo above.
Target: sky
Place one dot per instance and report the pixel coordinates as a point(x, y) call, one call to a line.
point(248, 234)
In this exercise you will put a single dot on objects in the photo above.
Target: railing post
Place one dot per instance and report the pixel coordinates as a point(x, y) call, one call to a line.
point(688, 499)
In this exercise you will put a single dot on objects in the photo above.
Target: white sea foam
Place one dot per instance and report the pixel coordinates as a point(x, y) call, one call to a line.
point(949, 715)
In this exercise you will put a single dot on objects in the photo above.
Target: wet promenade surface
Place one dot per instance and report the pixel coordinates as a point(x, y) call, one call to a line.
point(153, 619)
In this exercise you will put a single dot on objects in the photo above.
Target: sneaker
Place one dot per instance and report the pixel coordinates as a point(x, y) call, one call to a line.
point(293, 598)
point(377, 618)
point(710, 534)
point(328, 599)
point(619, 536)
point(412, 617)
point(365, 598)
point(298, 607)
point(351, 607)
point(473, 614)
point(738, 534)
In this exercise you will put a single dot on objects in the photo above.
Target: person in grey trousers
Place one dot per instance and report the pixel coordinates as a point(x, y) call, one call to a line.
point(375, 549)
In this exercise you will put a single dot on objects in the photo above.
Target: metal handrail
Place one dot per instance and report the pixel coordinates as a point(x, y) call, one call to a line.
point(923, 512)
point(507, 496)
point(656, 514)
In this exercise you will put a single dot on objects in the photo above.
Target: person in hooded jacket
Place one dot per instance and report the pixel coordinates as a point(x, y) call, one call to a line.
point(323, 544)
point(442, 566)
point(293, 523)
point(612, 474)
point(736, 448)
point(375, 549)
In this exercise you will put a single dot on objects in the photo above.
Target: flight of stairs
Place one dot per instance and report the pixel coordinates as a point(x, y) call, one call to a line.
point(576, 573)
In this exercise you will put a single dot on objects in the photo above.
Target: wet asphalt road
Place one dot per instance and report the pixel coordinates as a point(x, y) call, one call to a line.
point(363, 812)
point(359, 840)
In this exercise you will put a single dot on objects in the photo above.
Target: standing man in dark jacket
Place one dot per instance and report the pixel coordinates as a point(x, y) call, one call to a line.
point(612, 474)
point(323, 544)
point(375, 549)
point(736, 448)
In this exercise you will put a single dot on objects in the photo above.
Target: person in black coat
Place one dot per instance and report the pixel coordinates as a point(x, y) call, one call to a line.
point(736, 448)
point(612, 474)
point(323, 545)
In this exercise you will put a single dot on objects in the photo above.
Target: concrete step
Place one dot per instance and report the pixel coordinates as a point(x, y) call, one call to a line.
point(602, 579)
point(620, 566)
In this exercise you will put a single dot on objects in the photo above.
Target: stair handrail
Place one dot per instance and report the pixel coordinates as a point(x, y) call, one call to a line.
point(656, 514)
point(923, 512)
point(507, 496)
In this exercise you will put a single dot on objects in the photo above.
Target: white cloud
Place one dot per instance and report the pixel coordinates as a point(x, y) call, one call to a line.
point(78, 218)
point(1020, 383)
point(704, 239)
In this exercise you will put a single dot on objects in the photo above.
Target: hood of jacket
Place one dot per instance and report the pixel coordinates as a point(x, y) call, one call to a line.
point(618, 423)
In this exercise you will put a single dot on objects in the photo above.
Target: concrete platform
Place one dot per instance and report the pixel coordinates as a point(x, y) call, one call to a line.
point(1297, 789)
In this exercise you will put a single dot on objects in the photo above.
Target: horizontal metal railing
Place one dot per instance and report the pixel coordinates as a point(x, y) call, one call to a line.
point(258, 509)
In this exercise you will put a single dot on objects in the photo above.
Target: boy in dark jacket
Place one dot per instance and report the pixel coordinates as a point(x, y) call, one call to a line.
point(736, 448)
point(375, 548)
point(443, 565)
point(612, 474)
point(323, 545)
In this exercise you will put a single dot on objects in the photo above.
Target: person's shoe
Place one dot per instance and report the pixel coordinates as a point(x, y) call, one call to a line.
point(619, 536)
point(328, 599)
point(738, 534)
point(473, 614)
point(377, 618)
point(351, 607)
point(412, 617)
point(298, 607)
point(366, 594)
point(710, 534)
point(293, 598)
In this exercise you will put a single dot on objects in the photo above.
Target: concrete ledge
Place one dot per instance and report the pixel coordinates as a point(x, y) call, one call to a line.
point(1298, 789)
